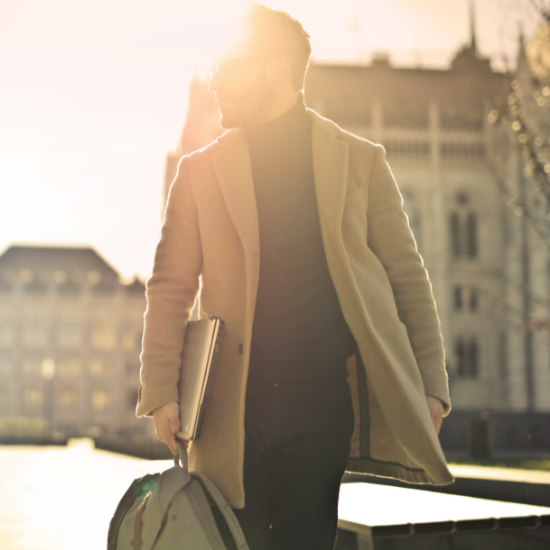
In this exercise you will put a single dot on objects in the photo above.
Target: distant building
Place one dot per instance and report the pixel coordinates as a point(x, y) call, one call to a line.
point(70, 341)
point(434, 126)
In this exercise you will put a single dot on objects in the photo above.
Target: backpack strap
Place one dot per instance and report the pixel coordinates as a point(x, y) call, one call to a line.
point(225, 509)
point(137, 542)
point(216, 496)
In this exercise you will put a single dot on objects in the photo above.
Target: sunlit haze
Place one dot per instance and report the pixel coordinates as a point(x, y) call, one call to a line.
point(93, 95)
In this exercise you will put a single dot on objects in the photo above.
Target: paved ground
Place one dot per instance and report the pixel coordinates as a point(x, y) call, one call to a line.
point(506, 474)
point(62, 498)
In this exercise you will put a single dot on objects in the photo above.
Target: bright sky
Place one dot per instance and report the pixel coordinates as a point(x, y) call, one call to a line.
point(93, 95)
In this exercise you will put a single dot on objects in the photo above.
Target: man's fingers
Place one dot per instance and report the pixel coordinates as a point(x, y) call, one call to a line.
point(164, 434)
point(167, 424)
point(175, 423)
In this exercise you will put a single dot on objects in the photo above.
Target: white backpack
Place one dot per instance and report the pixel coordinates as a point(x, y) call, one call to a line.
point(171, 511)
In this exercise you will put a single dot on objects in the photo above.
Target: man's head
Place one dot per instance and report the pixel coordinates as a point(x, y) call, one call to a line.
point(262, 69)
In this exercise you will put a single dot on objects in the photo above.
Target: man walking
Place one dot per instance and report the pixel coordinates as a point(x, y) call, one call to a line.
point(333, 358)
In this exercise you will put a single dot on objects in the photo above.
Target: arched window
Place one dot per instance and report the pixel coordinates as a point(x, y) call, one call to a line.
point(459, 356)
point(471, 235)
point(467, 357)
point(473, 299)
point(472, 362)
point(455, 234)
point(463, 228)
point(458, 297)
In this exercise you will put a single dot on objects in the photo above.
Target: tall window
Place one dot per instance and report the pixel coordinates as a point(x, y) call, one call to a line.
point(474, 299)
point(6, 335)
point(67, 399)
point(96, 367)
point(104, 337)
point(31, 366)
point(130, 339)
point(34, 282)
point(33, 400)
point(68, 336)
point(34, 335)
point(458, 297)
point(68, 367)
point(67, 284)
point(101, 283)
point(464, 297)
point(467, 357)
point(472, 363)
point(463, 228)
point(101, 400)
point(456, 246)
point(471, 235)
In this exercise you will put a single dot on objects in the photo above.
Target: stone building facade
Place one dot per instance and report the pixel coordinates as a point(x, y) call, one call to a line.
point(70, 341)
point(434, 125)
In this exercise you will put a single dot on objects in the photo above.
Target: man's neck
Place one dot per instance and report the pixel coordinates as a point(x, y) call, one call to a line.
point(282, 104)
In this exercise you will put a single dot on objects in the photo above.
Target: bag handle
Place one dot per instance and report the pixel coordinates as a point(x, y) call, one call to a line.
point(182, 455)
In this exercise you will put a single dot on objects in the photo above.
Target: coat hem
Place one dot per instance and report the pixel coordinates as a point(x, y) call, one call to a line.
point(393, 470)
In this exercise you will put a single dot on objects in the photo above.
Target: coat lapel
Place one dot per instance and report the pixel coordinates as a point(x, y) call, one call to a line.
point(232, 168)
point(330, 170)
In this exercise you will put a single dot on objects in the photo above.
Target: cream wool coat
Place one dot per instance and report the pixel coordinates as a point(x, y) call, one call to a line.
point(210, 232)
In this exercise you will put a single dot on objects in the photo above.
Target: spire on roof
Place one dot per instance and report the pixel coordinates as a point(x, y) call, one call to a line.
point(473, 40)
point(521, 35)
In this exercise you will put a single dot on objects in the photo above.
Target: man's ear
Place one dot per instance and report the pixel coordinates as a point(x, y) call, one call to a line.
point(278, 70)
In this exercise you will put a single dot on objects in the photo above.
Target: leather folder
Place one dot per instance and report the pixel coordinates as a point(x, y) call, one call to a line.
point(200, 358)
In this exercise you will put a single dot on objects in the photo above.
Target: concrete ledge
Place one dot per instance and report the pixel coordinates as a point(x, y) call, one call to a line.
point(509, 485)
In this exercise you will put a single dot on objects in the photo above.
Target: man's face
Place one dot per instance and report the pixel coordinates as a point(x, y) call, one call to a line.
point(243, 91)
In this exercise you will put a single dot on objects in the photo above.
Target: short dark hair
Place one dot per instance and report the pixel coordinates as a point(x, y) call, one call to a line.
point(275, 32)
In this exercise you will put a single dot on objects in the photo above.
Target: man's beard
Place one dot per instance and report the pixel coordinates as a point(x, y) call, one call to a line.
point(250, 106)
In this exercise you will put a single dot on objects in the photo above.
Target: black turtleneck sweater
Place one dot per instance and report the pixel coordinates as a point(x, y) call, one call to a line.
point(299, 330)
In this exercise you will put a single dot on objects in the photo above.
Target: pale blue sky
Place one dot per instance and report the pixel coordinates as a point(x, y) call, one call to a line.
point(93, 95)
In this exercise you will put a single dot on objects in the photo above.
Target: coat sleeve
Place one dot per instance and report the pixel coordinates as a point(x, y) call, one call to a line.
point(389, 236)
point(171, 292)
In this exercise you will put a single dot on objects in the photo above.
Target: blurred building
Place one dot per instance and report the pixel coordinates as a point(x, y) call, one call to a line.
point(70, 341)
point(434, 126)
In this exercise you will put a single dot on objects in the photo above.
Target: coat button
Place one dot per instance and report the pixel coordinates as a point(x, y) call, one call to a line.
point(240, 349)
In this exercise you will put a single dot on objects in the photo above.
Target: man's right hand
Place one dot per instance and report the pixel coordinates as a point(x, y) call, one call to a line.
point(167, 424)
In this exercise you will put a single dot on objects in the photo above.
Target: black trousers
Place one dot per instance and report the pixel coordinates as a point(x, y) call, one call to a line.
point(296, 448)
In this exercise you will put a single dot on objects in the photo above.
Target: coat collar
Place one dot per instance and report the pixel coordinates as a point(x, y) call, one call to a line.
point(330, 169)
